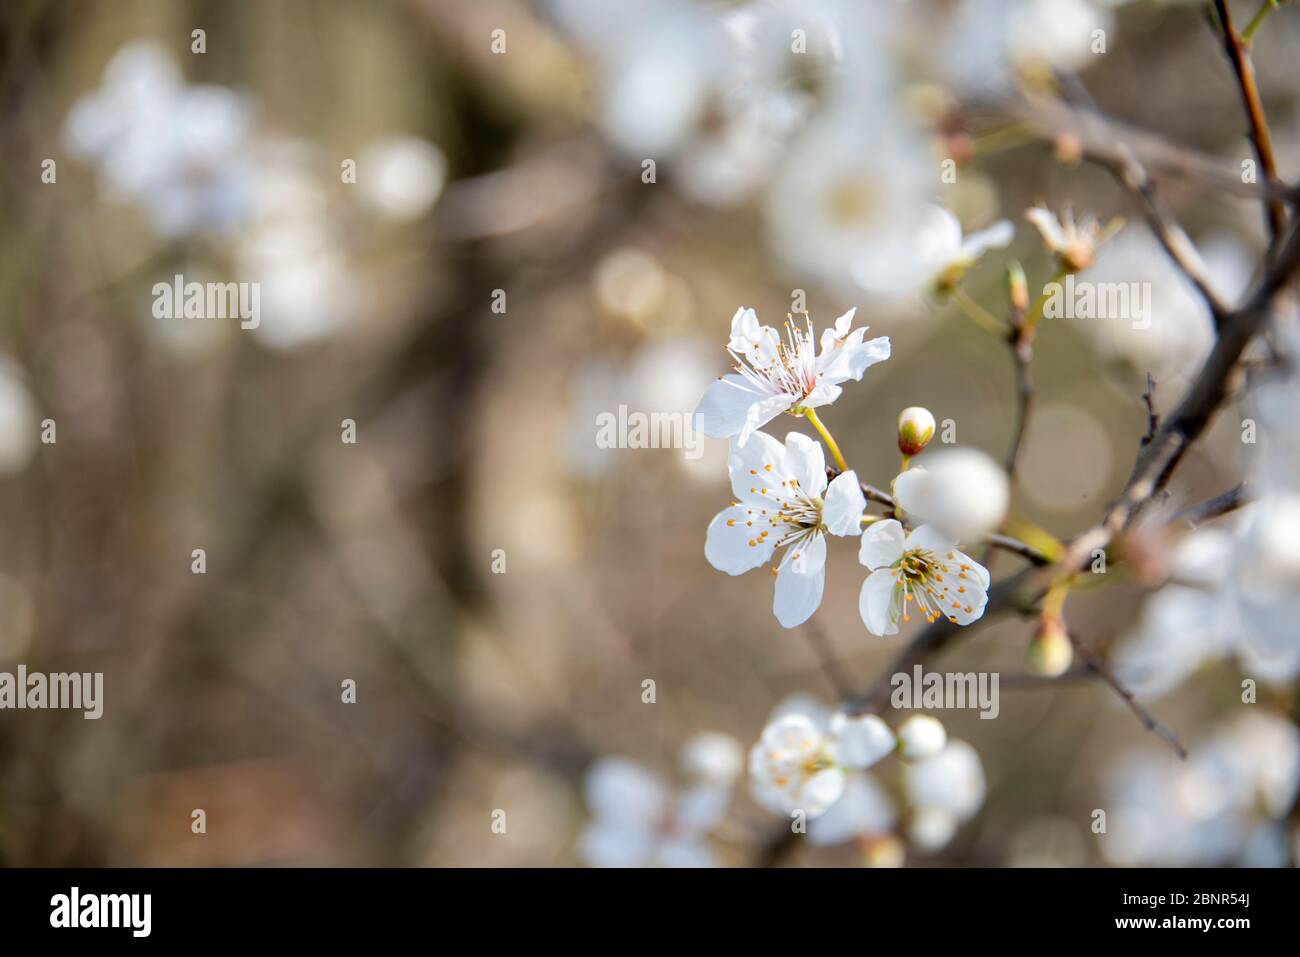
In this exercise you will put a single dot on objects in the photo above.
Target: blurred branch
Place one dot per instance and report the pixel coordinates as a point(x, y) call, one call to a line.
point(826, 657)
point(1110, 142)
point(1260, 137)
point(1153, 417)
point(1004, 542)
point(1222, 504)
point(1098, 665)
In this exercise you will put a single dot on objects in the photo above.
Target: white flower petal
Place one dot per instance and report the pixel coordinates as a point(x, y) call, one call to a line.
point(800, 581)
point(763, 412)
point(876, 603)
point(727, 542)
point(912, 491)
point(978, 571)
point(699, 809)
point(805, 461)
point(997, 236)
point(684, 853)
point(609, 845)
point(930, 538)
point(724, 408)
point(1048, 225)
point(821, 791)
point(862, 741)
point(749, 463)
point(882, 543)
point(621, 791)
point(852, 358)
point(843, 505)
point(863, 808)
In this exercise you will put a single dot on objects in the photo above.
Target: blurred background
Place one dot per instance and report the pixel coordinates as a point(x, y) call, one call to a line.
point(496, 273)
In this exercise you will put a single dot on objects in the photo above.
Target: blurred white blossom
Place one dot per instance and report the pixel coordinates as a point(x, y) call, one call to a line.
point(638, 820)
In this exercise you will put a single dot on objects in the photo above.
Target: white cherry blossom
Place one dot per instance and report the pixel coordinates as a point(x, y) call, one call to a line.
point(1074, 242)
point(947, 255)
point(962, 491)
point(638, 820)
point(922, 569)
point(804, 756)
point(783, 501)
point(943, 791)
point(775, 375)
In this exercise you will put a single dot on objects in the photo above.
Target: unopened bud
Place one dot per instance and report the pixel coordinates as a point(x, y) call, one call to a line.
point(1050, 653)
point(1018, 287)
point(921, 736)
point(915, 429)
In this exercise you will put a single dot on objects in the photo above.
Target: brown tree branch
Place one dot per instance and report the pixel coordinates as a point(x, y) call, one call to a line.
point(1260, 137)
point(1098, 665)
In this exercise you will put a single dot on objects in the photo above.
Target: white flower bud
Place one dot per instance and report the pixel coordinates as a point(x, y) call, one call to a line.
point(930, 828)
point(915, 429)
point(713, 757)
point(963, 491)
point(921, 736)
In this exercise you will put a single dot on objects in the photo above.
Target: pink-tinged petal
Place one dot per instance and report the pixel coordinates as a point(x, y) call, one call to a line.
point(805, 461)
point(843, 505)
point(763, 412)
point(725, 406)
point(757, 468)
point(734, 542)
point(882, 543)
point(800, 581)
point(823, 393)
point(876, 603)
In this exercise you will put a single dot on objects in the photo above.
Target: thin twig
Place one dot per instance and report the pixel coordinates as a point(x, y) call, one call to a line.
point(1153, 417)
point(1098, 665)
point(826, 658)
point(1260, 137)
point(1223, 503)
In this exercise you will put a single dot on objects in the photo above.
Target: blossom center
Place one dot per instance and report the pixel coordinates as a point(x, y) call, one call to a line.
point(937, 585)
point(782, 366)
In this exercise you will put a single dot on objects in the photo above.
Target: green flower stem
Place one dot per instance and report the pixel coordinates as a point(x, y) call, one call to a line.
point(827, 438)
point(983, 318)
point(1257, 20)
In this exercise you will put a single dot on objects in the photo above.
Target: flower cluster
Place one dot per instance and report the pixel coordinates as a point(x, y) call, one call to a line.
point(784, 499)
point(812, 761)
point(639, 820)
